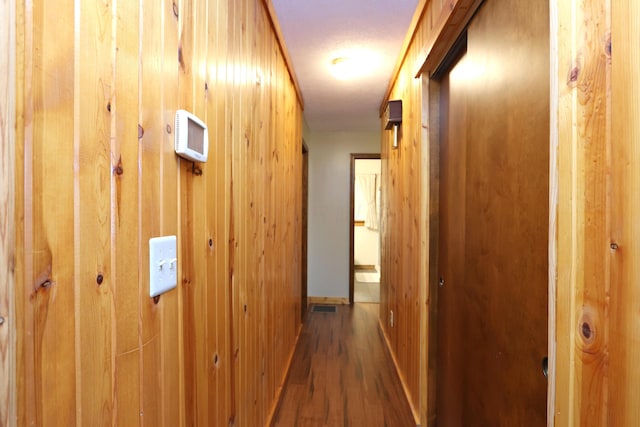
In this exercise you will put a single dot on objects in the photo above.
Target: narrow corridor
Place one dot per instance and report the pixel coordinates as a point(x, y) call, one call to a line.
point(342, 375)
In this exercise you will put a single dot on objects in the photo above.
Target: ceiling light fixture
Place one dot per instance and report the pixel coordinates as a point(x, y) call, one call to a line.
point(346, 67)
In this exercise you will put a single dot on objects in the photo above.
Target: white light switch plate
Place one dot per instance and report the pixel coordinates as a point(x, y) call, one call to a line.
point(163, 265)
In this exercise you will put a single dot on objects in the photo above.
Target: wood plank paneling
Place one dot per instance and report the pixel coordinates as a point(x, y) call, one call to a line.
point(94, 314)
point(45, 291)
point(404, 217)
point(584, 252)
point(97, 177)
point(171, 304)
point(7, 213)
point(150, 122)
point(624, 335)
point(124, 213)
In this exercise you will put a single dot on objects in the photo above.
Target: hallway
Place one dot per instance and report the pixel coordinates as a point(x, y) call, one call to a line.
point(342, 375)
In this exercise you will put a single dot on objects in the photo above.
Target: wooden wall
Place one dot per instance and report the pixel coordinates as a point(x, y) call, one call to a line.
point(98, 86)
point(404, 220)
point(594, 325)
point(597, 132)
point(7, 203)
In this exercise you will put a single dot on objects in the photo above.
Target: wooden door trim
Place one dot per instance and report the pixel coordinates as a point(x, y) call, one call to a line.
point(431, 111)
point(448, 28)
point(430, 256)
point(352, 178)
point(305, 233)
point(554, 184)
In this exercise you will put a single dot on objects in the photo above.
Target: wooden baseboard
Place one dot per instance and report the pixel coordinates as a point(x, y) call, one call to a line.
point(364, 267)
point(278, 399)
point(405, 388)
point(328, 300)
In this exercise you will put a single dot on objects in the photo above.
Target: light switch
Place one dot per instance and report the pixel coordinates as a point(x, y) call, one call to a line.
point(163, 265)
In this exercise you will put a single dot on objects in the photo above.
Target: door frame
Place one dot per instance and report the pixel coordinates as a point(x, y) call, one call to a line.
point(431, 91)
point(305, 230)
point(352, 182)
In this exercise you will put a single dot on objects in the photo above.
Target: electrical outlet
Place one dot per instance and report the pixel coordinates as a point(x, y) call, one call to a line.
point(391, 318)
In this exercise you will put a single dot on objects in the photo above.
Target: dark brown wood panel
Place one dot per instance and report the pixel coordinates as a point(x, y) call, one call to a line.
point(494, 223)
point(342, 375)
point(451, 249)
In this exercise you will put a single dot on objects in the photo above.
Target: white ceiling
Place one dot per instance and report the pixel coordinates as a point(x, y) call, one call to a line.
point(316, 31)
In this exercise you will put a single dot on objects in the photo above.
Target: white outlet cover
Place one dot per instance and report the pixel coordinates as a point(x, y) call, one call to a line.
point(163, 265)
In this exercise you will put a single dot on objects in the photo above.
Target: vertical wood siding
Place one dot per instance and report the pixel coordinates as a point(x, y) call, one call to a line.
point(584, 253)
point(624, 330)
point(98, 84)
point(7, 210)
point(597, 328)
point(405, 220)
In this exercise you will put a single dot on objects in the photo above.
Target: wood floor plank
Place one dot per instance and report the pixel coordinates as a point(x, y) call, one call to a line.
point(341, 374)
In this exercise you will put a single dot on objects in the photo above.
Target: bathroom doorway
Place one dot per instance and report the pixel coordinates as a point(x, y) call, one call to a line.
point(364, 245)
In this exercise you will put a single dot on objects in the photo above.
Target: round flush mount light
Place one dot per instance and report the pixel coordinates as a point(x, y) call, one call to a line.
point(352, 66)
point(343, 68)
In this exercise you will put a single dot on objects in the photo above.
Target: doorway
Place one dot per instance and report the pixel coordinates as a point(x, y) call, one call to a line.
point(491, 289)
point(364, 235)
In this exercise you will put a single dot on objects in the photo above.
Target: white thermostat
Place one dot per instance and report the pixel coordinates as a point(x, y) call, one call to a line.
point(192, 137)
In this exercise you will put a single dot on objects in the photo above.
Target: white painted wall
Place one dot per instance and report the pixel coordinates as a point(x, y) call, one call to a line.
point(366, 242)
point(329, 174)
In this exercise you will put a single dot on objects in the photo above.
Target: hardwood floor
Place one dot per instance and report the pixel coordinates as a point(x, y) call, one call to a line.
point(342, 375)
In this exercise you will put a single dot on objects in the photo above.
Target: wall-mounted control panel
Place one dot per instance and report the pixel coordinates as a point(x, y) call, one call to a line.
point(191, 137)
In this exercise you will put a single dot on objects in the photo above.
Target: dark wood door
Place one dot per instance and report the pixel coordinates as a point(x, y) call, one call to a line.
point(493, 241)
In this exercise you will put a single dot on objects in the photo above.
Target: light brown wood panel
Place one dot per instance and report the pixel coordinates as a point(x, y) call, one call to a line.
point(216, 206)
point(192, 31)
point(7, 213)
point(223, 356)
point(92, 213)
point(171, 304)
point(585, 258)
point(150, 134)
point(403, 219)
point(624, 335)
point(98, 177)
point(124, 214)
point(46, 276)
point(22, 58)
